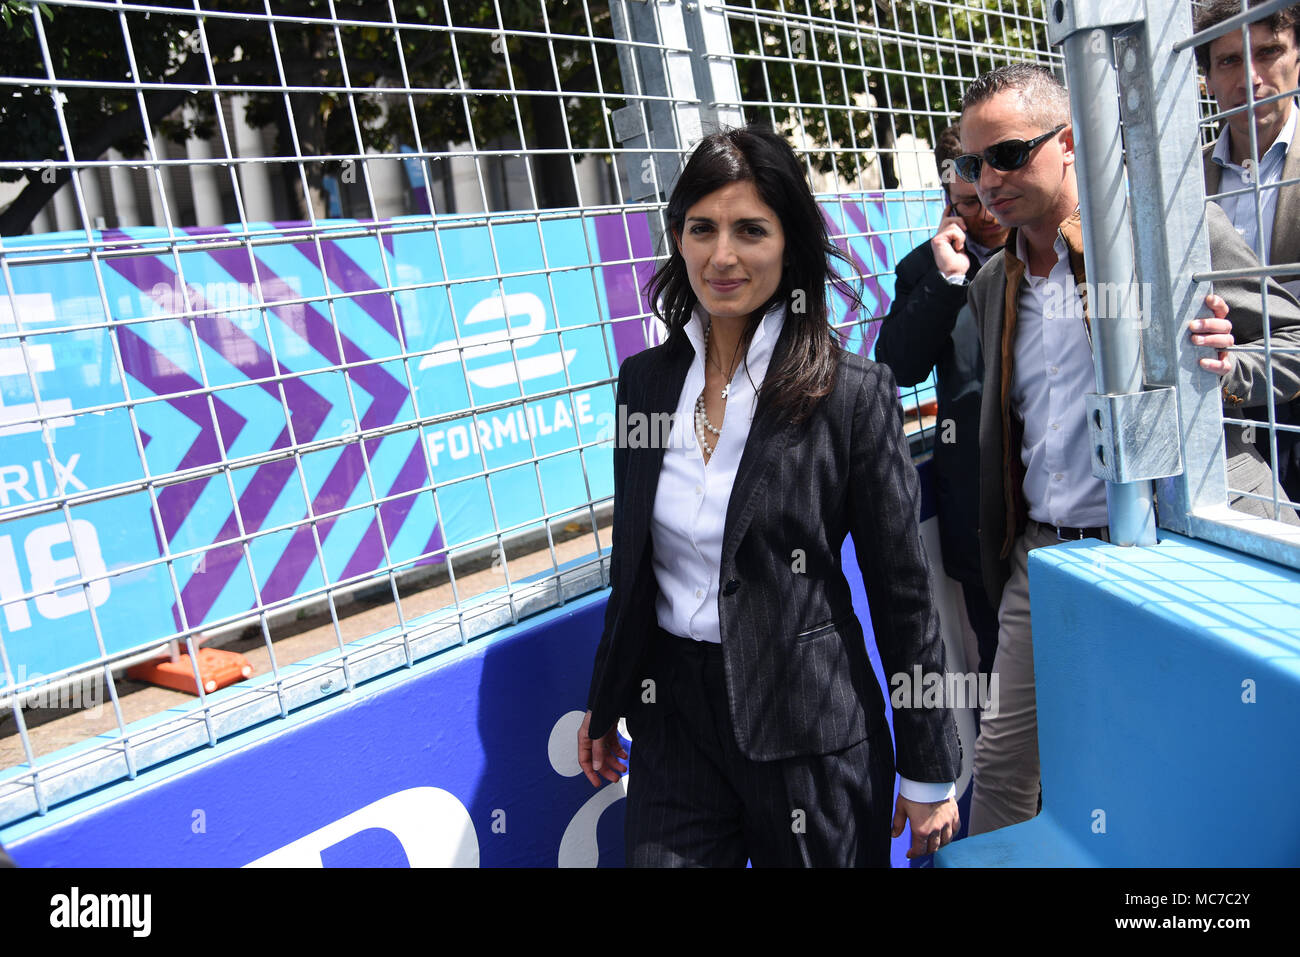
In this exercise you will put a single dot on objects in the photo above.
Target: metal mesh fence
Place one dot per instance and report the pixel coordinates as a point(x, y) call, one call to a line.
point(1251, 75)
point(264, 388)
point(861, 91)
point(317, 306)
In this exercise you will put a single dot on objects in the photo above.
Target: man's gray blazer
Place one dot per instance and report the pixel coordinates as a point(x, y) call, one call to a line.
point(1243, 387)
point(1284, 246)
point(798, 678)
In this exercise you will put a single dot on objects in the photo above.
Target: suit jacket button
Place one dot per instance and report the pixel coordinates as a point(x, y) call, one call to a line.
point(731, 587)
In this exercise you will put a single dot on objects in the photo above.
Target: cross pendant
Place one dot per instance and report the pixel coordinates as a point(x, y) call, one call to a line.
point(726, 390)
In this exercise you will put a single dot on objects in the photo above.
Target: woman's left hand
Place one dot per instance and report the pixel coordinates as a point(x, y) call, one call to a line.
point(600, 757)
point(933, 825)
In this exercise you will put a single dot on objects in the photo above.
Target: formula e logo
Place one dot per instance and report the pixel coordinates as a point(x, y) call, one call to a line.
point(515, 368)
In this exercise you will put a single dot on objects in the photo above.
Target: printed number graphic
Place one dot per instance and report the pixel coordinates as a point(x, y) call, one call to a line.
point(47, 570)
point(578, 847)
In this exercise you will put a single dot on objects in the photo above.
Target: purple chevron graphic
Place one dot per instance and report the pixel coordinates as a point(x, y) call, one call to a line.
point(624, 282)
point(387, 397)
point(160, 375)
point(369, 553)
point(857, 213)
point(307, 410)
point(344, 272)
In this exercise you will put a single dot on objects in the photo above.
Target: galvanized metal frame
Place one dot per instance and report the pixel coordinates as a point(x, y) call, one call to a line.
point(1159, 98)
point(1086, 29)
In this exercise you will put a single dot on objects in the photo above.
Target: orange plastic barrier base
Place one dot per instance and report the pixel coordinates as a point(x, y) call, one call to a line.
point(217, 668)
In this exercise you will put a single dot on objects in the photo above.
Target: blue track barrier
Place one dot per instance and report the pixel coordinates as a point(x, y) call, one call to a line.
point(1168, 683)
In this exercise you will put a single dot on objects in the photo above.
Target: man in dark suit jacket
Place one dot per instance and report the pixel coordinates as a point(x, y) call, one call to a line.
point(930, 326)
point(1229, 165)
point(798, 681)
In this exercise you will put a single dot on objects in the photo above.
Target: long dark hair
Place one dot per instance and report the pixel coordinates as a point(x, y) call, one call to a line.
point(806, 373)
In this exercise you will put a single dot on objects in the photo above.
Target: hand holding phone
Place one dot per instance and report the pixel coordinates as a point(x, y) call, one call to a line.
point(949, 244)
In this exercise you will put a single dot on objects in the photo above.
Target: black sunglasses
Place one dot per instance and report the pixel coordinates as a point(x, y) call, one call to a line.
point(1004, 156)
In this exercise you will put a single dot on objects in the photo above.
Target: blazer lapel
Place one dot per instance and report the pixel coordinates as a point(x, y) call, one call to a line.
point(768, 437)
point(1285, 246)
point(663, 388)
point(1285, 242)
point(1213, 171)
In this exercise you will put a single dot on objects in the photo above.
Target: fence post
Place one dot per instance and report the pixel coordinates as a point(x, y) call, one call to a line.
point(682, 82)
point(1121, 418)
point(1159, 108)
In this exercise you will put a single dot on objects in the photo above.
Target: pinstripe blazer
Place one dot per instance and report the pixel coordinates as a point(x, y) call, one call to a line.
point(798, 678)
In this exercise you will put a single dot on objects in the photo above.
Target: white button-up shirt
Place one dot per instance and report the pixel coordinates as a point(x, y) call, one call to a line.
point(690, 509)
point(691, 501)
point(1241, 209)
point(1053, 373)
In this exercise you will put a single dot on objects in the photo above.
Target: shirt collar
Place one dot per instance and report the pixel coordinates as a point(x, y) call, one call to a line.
point(1022, 253)
point(1221, 154)
point(760, 347)
point(981, 253)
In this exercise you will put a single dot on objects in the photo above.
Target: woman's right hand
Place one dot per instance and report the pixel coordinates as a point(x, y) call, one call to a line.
point(600, 757)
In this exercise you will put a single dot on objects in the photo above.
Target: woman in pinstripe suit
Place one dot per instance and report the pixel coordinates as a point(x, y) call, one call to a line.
point(730, 641)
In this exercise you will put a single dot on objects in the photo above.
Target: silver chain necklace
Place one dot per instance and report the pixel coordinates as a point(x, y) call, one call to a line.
point(703, 427)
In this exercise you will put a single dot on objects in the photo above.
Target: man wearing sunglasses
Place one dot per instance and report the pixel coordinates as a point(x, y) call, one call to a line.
point(1036, 481)
point(930, 326)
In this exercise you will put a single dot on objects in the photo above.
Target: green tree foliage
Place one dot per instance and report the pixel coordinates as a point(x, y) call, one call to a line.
point(890, 67)
point(463, 75)
point(886, 65)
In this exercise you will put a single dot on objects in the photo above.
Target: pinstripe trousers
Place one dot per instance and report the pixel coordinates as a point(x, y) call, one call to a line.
point(694, 800)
